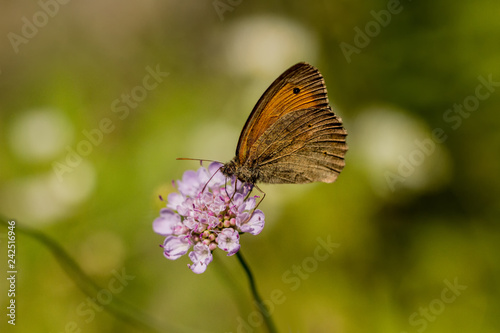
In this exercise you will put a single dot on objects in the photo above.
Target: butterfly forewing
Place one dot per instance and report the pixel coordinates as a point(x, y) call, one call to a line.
point(300, 87)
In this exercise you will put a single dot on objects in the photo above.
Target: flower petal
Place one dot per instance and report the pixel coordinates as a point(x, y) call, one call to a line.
point(175, 200)
point(214, 167)
point(189, 184)
point(174, 247)
point(249, 203)
point(237, 199)
point(165, 224)
point(203, 177)
point(255, 224)
point(218, 179)
point(201, 256)
point(228, 240)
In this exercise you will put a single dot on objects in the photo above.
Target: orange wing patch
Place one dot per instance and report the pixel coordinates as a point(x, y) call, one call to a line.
point(300, 87)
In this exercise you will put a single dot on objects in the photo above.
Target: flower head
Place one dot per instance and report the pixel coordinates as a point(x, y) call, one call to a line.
point(210, 211)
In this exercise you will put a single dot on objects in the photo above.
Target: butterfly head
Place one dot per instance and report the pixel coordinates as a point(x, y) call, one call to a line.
point(243, 173)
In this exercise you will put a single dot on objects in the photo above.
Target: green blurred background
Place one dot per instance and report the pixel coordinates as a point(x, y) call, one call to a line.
point(410, 214)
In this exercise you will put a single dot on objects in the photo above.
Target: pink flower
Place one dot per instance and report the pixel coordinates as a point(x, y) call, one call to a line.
point(209, 211)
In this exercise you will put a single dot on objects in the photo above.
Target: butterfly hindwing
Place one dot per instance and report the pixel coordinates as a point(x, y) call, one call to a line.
point(303, 146)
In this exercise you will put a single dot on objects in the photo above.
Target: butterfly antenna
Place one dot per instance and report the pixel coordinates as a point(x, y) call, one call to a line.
point(212, 176)
point(193, 159)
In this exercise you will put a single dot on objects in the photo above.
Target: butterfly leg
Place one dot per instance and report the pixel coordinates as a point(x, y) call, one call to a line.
point(263, 196)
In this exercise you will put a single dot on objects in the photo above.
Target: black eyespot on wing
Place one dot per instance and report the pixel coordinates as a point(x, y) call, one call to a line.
point(296, 90)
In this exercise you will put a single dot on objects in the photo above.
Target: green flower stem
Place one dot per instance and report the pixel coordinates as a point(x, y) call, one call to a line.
point(118, 308)
point(253, 287)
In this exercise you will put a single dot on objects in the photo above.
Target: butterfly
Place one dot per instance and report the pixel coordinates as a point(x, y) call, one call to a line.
point(292, 135)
